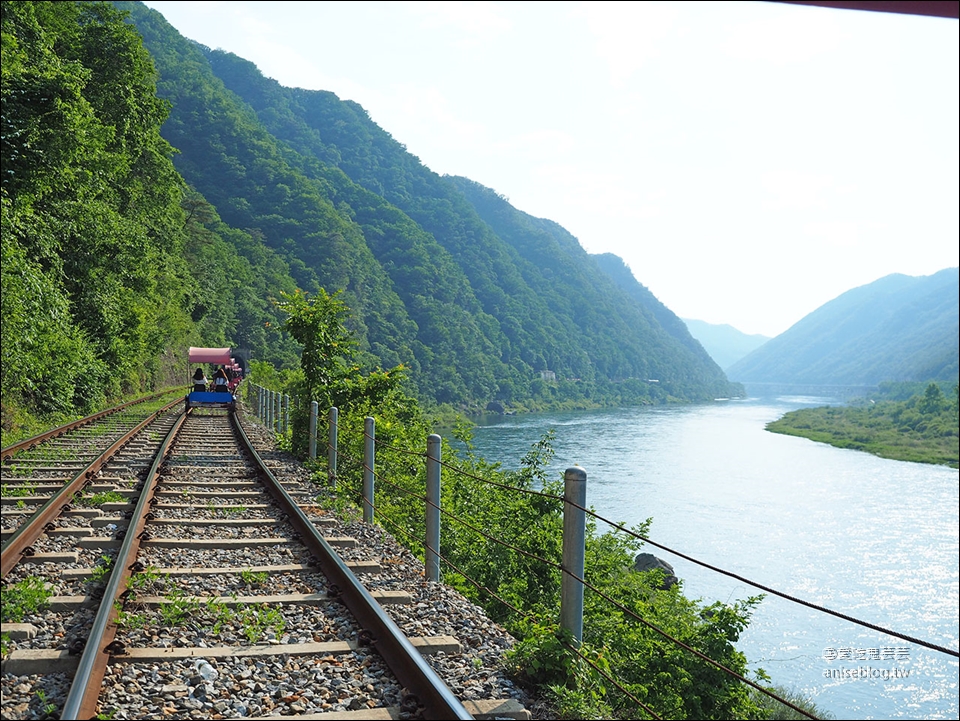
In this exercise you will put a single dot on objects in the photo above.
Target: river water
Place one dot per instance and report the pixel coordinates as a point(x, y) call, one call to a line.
point(870, 538)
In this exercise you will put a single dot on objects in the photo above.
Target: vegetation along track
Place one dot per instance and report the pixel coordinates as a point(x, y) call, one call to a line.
point(195, 592)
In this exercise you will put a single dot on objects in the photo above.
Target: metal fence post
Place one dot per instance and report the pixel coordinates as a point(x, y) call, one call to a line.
point(368, 460)
point(332, 450)
point(574, 539)
point(277, 411)
point(314, 407)
point(432, 557)
point(286, 413)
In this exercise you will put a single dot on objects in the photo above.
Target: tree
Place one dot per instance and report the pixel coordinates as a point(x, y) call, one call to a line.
point(933, 400)
point(331, 374)
point(319, 324)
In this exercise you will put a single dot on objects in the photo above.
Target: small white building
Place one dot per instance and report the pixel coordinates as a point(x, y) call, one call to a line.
point(548, 375)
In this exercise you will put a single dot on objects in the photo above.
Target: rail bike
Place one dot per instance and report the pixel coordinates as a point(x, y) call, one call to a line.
point(213, 395)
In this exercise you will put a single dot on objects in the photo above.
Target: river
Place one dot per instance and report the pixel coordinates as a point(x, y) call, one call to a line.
point(871, 538)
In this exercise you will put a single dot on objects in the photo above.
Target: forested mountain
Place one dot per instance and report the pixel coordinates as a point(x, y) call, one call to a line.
point(110, 266)
point(158, 194)
point(477, 311)
point(579, 290)
point(725, 344)
point(898, 328)
point(614, 267)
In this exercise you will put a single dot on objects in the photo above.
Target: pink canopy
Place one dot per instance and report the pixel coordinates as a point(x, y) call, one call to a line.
point(221, 356)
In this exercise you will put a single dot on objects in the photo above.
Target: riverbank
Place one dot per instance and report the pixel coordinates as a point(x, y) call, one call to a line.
point(887, 430)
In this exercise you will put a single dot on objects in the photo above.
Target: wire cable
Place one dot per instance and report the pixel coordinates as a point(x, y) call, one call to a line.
point(680, 643)
point(762, 587)
point(788, 597)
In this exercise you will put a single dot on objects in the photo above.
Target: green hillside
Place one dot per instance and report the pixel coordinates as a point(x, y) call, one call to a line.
point(485, 322)
point(111, 266)
point(519, 283)
point(898, 328)
point(617, 318)
point(158, 194)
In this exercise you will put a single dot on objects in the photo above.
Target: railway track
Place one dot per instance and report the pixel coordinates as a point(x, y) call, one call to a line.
point(203, 584)
point(44, 475)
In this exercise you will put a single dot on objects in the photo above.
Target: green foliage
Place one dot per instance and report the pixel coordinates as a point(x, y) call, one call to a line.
point(98, 499)
point(255, 619)
point(773, 710)
point(9, 492)
point(253, 578)
point(92, 264)
point(932, 402)
point(111, 266)
point(650, 667)
point(545, 658)
point(178, 608)
point(23, 598)
point(102, 570)
point(452, 284)
point(47, 708)
point(530, 521)
point(332, 377)
point(149, 579)
point(503, 534)
point(131, 620)
point(328, 346)
point(923, 428)
point(901, 391)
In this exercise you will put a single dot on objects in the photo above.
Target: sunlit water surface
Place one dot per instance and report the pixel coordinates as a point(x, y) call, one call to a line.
point(871, 538)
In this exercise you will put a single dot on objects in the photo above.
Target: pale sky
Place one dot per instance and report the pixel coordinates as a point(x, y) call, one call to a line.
point(749, 161)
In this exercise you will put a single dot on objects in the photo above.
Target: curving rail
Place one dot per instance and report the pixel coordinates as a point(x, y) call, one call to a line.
point(422, 692)
point(10, 451)
point(399, 654)
point(22, 539)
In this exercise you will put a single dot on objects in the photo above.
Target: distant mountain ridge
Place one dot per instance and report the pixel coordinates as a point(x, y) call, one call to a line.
point(725, 344)
point(898, 328)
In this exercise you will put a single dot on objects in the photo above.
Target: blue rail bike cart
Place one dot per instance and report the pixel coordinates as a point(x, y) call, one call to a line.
point(211, 399)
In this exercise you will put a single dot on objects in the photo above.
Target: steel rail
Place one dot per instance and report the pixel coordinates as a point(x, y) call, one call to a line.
point(84, 695)
point(403, 659)
point(34, 527)
point(11, 450)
